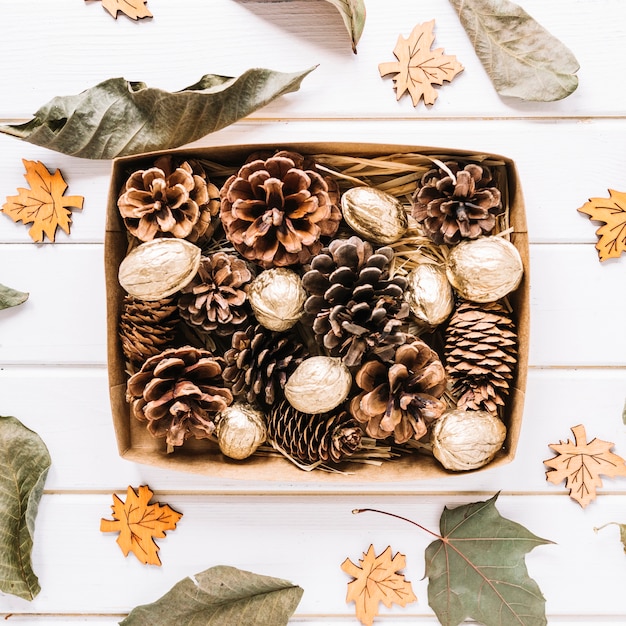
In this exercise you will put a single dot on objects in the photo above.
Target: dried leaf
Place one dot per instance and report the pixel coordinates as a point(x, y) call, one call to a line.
point(134, 9)
point(353, 16)
point(622, 531)
point(418, 67)
point(11, 297)
point(23, 469)
point(376, 579)
point(117, 117)
point(580, 464)
point(612, 212)
point(139, 523)
point(522, 58)
point(221, 596)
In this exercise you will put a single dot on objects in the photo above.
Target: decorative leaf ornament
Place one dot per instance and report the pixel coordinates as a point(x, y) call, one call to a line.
point(135, 9)
point(418, 67)
point(11, 297)
point(612, 213)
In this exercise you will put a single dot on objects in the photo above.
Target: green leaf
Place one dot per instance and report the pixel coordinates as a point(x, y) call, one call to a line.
point(477, 569)
point(221, 596)
point(622, 531)
point(24, 466)
point(11, 297)
point(118, 117)
point(353, 15)
point(521, 57)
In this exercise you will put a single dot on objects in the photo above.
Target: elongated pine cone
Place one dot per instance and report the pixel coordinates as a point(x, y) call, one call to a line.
point(169, 200)
point(178, 393)
point(215, 300)
point(274, 212)
point(401, 399)
point(481, 355)
point(357, 308)
point(313, 438)
point(461, 206)
point(260, 361)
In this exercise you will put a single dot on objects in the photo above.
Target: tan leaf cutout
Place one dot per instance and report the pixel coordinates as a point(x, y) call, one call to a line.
point(377, 580)
point(580, 464)
point(135, 9)
point(139, 523)
point(43, 205)
point(611, 211)
point(418, 67)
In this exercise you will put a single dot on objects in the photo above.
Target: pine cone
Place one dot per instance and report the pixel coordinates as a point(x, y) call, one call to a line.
point(274, 212)
point(312, 439)
point(215, 300)
point(260, 361)
point(481, 354)
point(170, 200)
point(401, 399)
point(178, 392)
point(358, 308)
point(463, 206)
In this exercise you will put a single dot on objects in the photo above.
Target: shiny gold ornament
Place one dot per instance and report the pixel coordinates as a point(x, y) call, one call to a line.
point(429, 294)
point(240, 430)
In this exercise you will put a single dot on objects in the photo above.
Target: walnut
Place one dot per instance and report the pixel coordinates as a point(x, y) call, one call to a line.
point(240, 430)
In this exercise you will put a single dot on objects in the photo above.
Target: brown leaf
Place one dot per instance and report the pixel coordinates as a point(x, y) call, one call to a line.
point(580, 464)
point(139, 522)
point(43, 205)
point(612, 212)
point(418, 67)
point(377, 580)
point(135, 9)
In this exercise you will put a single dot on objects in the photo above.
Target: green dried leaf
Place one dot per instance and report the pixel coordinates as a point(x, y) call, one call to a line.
point(221, 596)
point(477, 569)
point(23, 469)
point(353, 15)
point(521, 57)
point(118, 117)
point(622, 531)
point(11, 297)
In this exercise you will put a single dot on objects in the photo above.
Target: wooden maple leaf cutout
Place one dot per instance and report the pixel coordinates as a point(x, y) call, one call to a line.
point(139, 523)
point(43, 205)
point(377, 580)
point(418, 67)
point(580, 464)
point(135, 9)
point(611, 211)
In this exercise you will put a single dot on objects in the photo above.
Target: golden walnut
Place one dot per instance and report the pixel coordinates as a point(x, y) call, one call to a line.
point(240, 430)
point(429, 294)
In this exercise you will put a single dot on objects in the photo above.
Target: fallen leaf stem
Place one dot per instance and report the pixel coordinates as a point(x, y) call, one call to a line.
point(404, 519)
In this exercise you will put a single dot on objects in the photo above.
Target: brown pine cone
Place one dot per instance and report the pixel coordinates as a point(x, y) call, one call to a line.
point(462, 206)
point(481, 355)
point(401, 399)
point(215, 300)
point(274, 212)
point(178, 393)
point(358, 308)
point(313, 439)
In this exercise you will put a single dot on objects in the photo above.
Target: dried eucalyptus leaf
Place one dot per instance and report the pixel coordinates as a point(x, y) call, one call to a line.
point(221, 596)
point(24, 464)
point(118, 117)
point(353, 15)
point(521, 57)
point(11, 297)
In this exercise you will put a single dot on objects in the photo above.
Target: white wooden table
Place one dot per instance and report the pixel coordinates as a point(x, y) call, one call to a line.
point(53, 373)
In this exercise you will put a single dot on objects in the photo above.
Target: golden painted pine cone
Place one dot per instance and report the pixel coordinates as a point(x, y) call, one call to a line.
point(481, 355)
point(178, 393)
point(461, 206)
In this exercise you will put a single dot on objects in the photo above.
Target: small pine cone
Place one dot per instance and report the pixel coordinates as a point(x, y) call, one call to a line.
point(311, 439)
point(215, 300)
point(274, 212)
point(462, 206)
point(401, 399)
point(481, 354)
point(260, 361)
point(358, 308)
point(178, 393)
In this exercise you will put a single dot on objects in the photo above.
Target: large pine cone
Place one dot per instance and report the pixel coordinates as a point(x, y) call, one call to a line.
point(215, 300)
point(401, 399)
point(169, 200)
point(178, 393)
point(274, 212)
point(462, 206)
point(313, 439)
point(481, 354)
point(358, 308)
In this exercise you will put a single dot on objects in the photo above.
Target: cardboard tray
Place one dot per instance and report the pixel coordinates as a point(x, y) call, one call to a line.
point(136, 444)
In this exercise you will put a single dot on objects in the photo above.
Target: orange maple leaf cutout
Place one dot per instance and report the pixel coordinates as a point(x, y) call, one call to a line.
point(43, 205)
point(135, 9)
point(612, 212)
point(139, 523)
point(376, 579)
point(418, 67)
point(580, 464)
